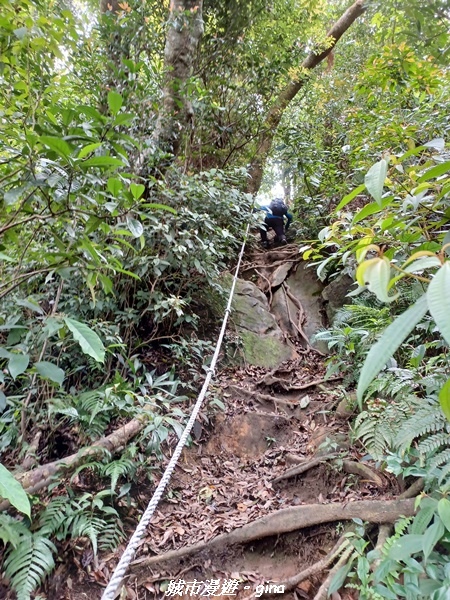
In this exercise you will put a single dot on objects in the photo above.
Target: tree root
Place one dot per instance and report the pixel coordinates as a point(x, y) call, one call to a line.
point(42, 477)
point(291, 519)
point(356, 468)
point(322, 592)
point(303, 467)
point(269, 379)
point(292, 582)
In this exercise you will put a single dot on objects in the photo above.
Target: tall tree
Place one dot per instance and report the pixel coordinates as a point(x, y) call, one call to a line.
point(184, 30)
point(275, 114)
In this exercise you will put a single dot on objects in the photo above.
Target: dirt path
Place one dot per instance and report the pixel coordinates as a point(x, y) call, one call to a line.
point(275, 419)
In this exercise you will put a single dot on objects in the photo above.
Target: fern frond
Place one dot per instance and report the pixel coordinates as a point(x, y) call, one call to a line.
point(118, 468)
point(440, 459)
point(87, 525)
point(433, 443)
point(27, 565)
point(11, 530)
point(111, 535)
point(429, 419)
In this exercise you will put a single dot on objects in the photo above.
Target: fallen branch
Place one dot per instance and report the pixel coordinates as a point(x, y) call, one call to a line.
point(303, 467)
point(42, 477)
point(291, 519)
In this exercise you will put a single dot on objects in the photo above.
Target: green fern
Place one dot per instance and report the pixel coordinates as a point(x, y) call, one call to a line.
point(11, 530)
point(27, 565)
point(118, 468)
point(377, 427)
point(426, 420)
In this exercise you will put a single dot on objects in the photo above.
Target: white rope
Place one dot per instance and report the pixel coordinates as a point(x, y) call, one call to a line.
point(127, 556)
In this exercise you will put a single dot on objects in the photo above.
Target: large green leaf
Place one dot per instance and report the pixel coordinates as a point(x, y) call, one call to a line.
point(438, 296)
point(102, 161)
point(89, 341)
point(435, 171)
point(11, 490)
point(50, 371)
point(431, 537)
point(58, 145)
point(18, 364)
point(391, 339)
point(349, 197)
point(405, 547)
point(135, 227)
point(115, 102)
point(375, 178)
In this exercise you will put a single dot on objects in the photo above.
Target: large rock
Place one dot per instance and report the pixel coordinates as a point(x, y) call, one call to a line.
point(263, 341)
point(335, 295)
point(306, 288)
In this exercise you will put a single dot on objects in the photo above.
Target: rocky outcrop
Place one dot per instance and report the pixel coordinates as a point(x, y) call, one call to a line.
point(264, 343)
point(335, 295)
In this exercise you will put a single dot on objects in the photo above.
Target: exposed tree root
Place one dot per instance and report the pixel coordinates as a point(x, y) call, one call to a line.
point(292, 582)
point(356, 468)
point(42, 477)
point(322, 593)
point(303, 467)
point(269, 379)
point(291, 519)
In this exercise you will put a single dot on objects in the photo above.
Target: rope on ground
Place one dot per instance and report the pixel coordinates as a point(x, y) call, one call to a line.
point(127, 556)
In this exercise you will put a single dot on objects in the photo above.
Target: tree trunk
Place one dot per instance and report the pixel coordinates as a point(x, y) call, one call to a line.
point(185, 28)
point(273, 118)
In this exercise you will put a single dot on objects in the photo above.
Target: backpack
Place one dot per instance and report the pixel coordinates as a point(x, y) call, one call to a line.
point(278, 207)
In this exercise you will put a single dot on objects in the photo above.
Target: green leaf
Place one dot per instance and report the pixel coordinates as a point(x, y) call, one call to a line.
point(371, 209)
point(50, 371)
point(12, 195)
point(405, 547)
point(4, 256)
point(438, 296)
point(157, 206)
point(2, 401)
point(444, 399)
point(431, 537)
point(349, 197)
point(114, 186)
point(88, 149)
point(135, 227)
point(375, 179)
point(102, 161)
point(435, 171)
point(115, 102)
point(339, 578)
point(58, 145)
point(422, 263)
point(89, 341)
point(444, 512)
point(391, 339)
point(18, 364)
point(11, 490)
point(137, 189)
point(376, 273)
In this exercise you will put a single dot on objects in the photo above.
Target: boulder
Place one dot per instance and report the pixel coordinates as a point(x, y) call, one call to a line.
point(264, 343)
point(334, 295)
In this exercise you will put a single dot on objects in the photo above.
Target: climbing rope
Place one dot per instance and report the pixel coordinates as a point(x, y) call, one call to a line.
point(127, 556)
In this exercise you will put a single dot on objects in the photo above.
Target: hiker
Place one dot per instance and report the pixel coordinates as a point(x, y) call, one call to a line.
point(276, 211)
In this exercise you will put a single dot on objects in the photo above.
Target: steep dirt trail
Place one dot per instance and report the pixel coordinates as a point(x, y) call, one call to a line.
point(279, 415)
